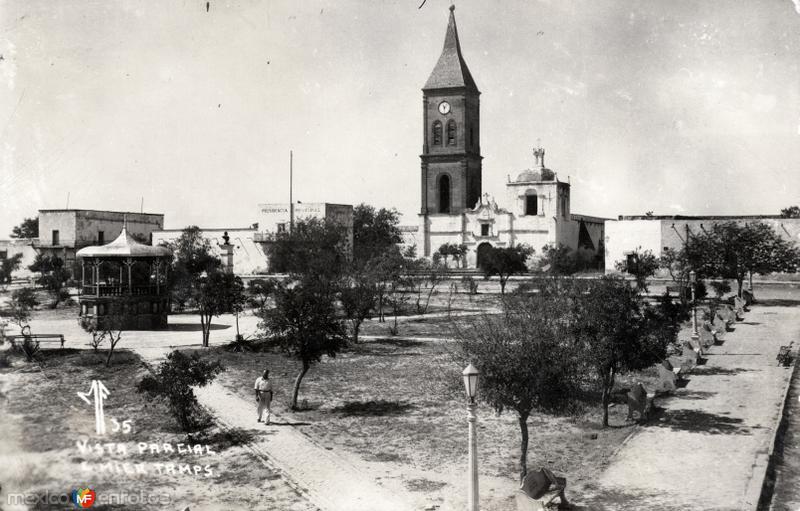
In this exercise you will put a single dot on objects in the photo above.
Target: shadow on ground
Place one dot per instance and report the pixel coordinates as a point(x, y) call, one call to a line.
point(778, 302)
point(600, 499)
point(192, 327)
point(694, 395)
point(373, 408)
point(698, 421)
point(718, 371)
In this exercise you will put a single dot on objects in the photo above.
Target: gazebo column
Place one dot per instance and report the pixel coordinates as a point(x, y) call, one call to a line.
point(129, 263)
point(158, 277)
point(83, 274)
point(96, 271)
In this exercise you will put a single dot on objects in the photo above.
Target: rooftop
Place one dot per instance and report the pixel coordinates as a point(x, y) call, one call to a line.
point(701, 217)
point(124, 246)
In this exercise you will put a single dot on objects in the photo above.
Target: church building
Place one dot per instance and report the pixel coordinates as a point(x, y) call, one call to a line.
point(454, 208)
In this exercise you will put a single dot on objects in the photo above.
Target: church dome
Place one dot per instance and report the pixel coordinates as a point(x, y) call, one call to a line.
point(543, 174)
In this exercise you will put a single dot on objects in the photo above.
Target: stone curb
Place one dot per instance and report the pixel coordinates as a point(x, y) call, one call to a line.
point(764, 462)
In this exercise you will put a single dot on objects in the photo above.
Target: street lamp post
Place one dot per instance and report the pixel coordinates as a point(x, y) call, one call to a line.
point(471, 375)
point(693, 283)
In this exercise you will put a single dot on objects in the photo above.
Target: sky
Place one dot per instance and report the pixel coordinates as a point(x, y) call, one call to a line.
point(675, 107)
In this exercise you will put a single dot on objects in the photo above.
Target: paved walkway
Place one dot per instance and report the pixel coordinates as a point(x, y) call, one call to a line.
point(328, 480)
point(708, 448)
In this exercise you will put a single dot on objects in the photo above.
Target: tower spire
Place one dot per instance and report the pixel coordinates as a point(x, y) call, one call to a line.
point(451, 70)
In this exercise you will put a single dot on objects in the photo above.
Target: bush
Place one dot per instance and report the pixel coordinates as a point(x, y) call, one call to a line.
point(173, 381)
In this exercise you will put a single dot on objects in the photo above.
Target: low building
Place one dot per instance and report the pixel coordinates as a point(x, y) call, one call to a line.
point(248, 256)
point(62, 232)
point(22, 246)
point(658, 233)
point(274, 219)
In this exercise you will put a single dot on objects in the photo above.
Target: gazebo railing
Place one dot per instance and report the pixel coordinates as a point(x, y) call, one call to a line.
point(122, 290)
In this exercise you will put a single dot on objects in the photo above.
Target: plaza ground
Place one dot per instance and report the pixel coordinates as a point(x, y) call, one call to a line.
point(391, 410)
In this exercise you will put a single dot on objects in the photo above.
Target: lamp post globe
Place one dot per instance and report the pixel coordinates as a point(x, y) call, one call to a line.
point(470, 375)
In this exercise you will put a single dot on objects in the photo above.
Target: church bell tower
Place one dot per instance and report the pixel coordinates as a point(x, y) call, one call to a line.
point(451, 150)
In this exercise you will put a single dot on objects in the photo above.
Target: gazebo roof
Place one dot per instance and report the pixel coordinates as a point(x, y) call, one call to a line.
point(124, 246)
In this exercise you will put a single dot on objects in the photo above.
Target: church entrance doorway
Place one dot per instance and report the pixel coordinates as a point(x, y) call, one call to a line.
point(483, 252)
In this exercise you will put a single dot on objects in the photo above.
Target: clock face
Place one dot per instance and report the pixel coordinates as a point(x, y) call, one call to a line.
point(444, 108)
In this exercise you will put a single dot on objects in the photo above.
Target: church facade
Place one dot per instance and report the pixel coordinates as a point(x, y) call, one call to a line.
point(453, 208)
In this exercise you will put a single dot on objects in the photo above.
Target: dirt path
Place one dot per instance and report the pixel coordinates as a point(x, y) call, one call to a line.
point(707, 449)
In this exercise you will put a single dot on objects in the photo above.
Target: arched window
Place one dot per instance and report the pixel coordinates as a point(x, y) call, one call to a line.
point(531, 205)
point(437, 133)
point(471, 137)
point(451, 132)
point(444, 194)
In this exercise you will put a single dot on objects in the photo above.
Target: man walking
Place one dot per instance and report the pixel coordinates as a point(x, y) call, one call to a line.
point(263, 388)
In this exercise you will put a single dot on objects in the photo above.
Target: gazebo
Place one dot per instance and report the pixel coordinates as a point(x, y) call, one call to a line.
point(127, 282)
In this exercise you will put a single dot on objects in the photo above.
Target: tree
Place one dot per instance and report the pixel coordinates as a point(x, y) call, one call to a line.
point(8, 265)
point(735, 251)
point(29, 228)
point(526, 356)
point(217, 293)
point(53, 276)
point(358, 296)
point(173, 381)
point(316, 248)
point(641, 264)
point(791, 212)
point(620, 332)
point(305, 323)
point(505, 262)
point(428, 275)
point(457, 251)
point(259, 291)
point(22, 302)
point(374, 231)
point(192, 257)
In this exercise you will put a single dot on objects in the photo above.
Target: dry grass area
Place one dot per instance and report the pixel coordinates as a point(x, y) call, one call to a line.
point(400, 403)
point(42, 420)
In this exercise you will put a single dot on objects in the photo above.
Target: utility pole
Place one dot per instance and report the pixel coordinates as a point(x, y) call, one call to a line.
point(291, 199)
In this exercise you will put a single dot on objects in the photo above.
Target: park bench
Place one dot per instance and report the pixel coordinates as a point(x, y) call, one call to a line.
point(640, 401)
point(668, 376)
point(719, 325)
point(539, 489)
point(697, 346)
point(37, 338)
point(690, 357)
point(739, 305)
point(727, 313)
point(785, 355)
point(707, 337)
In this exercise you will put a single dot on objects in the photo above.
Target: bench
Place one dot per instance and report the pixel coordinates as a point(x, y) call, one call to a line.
point(707, 337)
point(690, 357)
point(539, 489)
point(719, 325)
point(668, 376)
point(739, 305)
point(727, 313)
point(38, 338)
point(640, 401)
